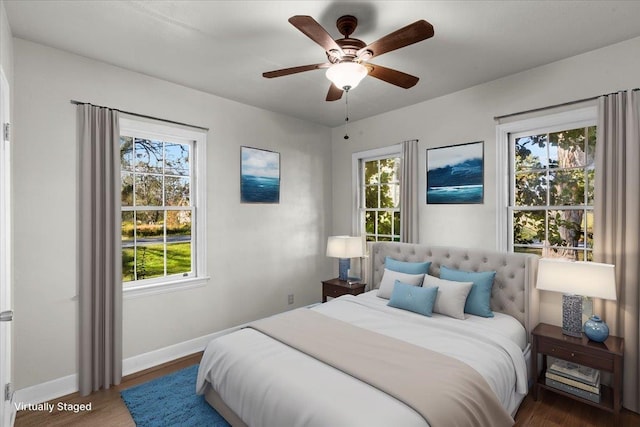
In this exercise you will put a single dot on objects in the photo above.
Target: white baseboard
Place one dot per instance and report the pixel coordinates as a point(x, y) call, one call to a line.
point(66, 385)
point(46, 391)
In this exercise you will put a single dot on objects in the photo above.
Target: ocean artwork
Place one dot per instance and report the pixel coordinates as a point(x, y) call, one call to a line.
point(455, 174)
point(259, 176)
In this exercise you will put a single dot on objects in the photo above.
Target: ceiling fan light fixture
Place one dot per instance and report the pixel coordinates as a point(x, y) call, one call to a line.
point(346, 75)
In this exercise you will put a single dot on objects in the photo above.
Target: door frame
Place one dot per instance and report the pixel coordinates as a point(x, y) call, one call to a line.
point(7, 412)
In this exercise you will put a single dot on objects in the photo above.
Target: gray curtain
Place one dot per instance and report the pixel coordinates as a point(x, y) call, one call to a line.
point(99, 251)
point(409, 192)
point(617, 225)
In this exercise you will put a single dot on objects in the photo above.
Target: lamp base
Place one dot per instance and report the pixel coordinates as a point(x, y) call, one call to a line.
point(343, 268)
point(572, 315)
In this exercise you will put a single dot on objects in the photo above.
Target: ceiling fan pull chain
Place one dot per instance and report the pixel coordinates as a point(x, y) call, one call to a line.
point(346, 113)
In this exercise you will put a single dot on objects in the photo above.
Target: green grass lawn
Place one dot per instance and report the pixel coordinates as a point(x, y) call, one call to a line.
point(151, 260)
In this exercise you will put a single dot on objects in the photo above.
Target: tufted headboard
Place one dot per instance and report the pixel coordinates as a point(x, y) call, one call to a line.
point(515, 272)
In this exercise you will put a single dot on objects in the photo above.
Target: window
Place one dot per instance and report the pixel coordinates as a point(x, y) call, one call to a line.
point(378, 211)
point(551, 189)
point(162, 204)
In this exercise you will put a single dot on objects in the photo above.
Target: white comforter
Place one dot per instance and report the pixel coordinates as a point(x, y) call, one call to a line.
point(269, 384)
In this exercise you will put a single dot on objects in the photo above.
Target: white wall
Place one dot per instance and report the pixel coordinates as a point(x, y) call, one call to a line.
point(467, 116)
point(6, 45)
point(257, 254)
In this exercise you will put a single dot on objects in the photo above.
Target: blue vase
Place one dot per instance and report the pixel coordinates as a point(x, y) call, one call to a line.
point(596, 329)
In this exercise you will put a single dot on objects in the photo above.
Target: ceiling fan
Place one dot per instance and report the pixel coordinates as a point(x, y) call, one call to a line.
point(348, 57)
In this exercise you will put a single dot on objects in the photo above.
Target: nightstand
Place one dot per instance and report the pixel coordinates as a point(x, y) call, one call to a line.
point(549, 340)
point(336, 287)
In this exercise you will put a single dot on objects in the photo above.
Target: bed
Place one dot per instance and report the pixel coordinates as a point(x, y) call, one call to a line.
point(356, 361)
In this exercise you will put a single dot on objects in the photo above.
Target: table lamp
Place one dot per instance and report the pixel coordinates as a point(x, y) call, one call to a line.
point(576, 279)
point(344, 248)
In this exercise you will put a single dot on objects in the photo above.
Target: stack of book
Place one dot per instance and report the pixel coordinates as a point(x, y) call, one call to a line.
point(573, 378)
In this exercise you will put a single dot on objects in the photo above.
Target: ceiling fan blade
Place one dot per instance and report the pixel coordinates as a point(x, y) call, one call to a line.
point(392, 76)
point(315, 32)
point(334, 93)
point(412, 33)
point(294, 70)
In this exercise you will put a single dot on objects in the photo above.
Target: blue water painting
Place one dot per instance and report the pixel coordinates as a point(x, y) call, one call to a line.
point(260, 189)
point(455, 174)
point(462, 194)
point(259, 176)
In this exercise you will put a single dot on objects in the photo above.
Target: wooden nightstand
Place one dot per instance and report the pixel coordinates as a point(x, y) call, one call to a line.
point(336, 287)
point(549, 340)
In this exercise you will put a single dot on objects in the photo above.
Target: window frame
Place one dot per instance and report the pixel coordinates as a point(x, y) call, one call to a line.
point(197, 139)
point(357, 162)
point(505, 174)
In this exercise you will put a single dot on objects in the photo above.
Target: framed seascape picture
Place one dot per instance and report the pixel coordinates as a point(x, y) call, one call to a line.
point(259, 176)
point(455, 174)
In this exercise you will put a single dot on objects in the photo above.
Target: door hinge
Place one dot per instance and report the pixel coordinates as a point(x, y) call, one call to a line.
point(8, 391)
point(6, 131)
point(6, 316)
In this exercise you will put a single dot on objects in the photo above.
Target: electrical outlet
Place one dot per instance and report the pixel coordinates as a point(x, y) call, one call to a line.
point(290, 299)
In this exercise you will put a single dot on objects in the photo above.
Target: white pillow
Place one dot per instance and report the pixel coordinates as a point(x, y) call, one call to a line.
point(389, 279)
point(451, 296)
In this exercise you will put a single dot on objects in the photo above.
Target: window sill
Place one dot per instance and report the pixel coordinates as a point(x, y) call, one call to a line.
point(165, 287)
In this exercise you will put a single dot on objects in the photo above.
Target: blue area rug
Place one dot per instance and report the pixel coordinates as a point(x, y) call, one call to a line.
point(171, 401)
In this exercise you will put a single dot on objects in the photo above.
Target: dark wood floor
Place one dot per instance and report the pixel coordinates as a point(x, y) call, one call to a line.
point(553, 410)
point(108, 409)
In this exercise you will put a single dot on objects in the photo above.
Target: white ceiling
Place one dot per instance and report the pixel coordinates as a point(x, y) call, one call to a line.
point(222, 47)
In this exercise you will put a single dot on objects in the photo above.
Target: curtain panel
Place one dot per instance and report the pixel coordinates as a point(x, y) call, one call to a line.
point(617, 225)
point(409, 192)
point(99, 249)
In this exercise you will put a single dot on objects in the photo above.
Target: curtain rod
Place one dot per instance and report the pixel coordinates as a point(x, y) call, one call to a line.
point(563, 104)
point(144, 116)
point(535, 110)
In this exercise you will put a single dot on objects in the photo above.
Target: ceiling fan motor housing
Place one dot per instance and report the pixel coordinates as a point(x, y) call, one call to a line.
point(350, 48)
point(346, 25)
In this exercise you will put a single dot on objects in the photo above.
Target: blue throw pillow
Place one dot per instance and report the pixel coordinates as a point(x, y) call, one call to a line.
point(406, 267)
point(413, 298)
point(479, 299)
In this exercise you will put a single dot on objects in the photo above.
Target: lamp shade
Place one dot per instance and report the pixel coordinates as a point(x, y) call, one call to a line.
point(345, 247)
point(346, 75)
point(590, 279)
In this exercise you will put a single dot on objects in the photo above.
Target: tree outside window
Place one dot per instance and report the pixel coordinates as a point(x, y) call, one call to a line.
point(553, 189)
point(157, 208)
point(381, 192)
